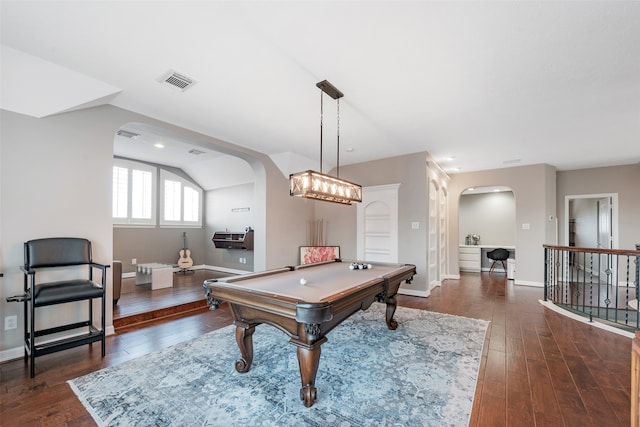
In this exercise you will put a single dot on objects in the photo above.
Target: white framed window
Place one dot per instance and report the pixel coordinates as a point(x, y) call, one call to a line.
point(181, 201)
point(134, 193)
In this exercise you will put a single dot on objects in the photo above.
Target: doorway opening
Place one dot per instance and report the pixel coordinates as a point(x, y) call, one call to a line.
point(189, 189)
point(486, 221)
point(591, 220)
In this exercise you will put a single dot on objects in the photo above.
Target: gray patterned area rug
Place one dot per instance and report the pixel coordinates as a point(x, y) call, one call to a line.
point(422, 374)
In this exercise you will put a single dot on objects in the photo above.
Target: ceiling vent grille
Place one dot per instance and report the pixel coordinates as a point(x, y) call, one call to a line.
point(178, 81)
point(195, 152)
point(127, 134)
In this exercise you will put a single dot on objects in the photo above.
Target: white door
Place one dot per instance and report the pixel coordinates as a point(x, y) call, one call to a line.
point(377, 226)
point(605, 241)
point(604, 223)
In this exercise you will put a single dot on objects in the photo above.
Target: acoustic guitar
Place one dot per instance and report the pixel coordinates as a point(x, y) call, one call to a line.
point(185, 260)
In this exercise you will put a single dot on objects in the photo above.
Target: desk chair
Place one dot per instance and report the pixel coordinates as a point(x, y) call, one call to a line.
point(498, 255)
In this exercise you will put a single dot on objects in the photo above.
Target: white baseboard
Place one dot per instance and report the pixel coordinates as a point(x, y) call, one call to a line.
point(574, 316)
point(224, 269)
point(527, 283)
point(18, 352)
point(11, 354)
point(414, 292)
point(198, 267)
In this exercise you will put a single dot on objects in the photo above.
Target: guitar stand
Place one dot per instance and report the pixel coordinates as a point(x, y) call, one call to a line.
point(185, 271)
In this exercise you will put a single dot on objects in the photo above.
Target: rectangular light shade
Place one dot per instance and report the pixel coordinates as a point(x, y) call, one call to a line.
point(315, 185)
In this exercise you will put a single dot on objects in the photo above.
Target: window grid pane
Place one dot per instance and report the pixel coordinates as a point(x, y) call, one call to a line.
point(141, 196)
point(191, 204)
point(172, 191)
point(120, 187)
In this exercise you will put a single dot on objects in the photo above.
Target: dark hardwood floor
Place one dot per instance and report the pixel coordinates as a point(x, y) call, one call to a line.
point(538, 368)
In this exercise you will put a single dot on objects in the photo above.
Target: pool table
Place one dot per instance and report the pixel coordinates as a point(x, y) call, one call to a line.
point(306, 310)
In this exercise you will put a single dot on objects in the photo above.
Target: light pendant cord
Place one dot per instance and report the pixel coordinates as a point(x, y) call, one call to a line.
point(321, 116)
point(338, 143)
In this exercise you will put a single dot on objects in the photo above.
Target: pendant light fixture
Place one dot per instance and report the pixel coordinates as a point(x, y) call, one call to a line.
point(317, 185)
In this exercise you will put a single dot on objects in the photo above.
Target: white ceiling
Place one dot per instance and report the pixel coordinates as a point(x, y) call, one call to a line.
point(488, 84)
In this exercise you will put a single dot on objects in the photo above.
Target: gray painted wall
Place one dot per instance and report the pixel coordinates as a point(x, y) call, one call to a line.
point(56, 181)
point(411, 172)
point(585, 214)
point(533, 188)
point(221, 217)
point(624, 180)
point(157, 244)
point(490, 215)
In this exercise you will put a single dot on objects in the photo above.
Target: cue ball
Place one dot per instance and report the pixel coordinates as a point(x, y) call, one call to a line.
point(303, 281)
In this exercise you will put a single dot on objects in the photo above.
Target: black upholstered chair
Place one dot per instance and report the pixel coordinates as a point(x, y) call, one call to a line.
point(60, 253)
point(498, 255)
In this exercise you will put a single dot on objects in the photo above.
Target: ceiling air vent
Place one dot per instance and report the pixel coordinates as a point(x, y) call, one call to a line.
point(178, 81)
point(195, 152)
point(127, 134)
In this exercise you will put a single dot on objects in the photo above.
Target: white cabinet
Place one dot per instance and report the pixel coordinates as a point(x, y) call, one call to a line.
point(469, 258)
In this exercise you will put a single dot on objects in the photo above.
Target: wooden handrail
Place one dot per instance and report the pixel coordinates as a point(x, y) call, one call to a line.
point(631, 252)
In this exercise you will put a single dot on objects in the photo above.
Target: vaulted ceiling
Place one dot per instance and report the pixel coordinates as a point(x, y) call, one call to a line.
point(479, 85)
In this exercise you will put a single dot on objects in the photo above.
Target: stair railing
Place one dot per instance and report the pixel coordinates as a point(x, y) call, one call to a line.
point(601, 284)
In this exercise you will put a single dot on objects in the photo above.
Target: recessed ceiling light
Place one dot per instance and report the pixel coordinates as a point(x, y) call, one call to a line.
point(158, 145)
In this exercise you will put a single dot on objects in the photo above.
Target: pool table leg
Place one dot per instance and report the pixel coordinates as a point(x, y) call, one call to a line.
point(308, 361)
point(391, 310)
point(244, 333)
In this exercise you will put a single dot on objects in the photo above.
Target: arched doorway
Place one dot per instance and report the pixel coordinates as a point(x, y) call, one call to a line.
point(486, 220)
point(187, 163)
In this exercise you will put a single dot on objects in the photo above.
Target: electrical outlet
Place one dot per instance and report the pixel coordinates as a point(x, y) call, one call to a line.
point(134, 260)
point(10, 322)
